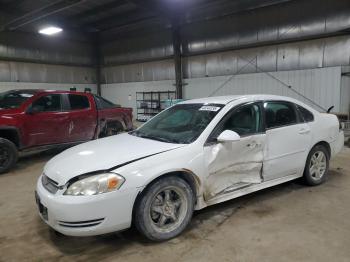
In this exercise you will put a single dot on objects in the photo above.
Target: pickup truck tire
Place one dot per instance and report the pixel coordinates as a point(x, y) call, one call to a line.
point(8, 155)
point(112, 129)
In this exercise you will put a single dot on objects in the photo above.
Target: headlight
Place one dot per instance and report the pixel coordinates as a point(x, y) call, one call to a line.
point(96, 184)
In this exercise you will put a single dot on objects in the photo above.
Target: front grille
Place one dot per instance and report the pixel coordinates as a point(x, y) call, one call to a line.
point(80, 224)
point(49, 184)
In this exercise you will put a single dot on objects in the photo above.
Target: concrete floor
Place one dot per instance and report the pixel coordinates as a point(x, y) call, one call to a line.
point(289, 222)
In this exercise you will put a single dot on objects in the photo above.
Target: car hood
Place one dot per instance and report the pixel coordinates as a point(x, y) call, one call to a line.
point(102, 154)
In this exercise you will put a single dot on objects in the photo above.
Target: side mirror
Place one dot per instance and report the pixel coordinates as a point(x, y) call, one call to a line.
point(228, 136)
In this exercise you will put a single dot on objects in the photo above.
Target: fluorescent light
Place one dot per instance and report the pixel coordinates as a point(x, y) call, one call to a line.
point(50, 30)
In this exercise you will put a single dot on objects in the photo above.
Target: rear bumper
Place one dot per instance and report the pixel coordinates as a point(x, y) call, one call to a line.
point(86, 215)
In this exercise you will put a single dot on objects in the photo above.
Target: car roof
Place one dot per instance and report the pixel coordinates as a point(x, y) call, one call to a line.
point(224, 100)
point(41, 91)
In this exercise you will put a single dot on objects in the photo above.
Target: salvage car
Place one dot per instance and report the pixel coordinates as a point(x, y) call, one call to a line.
point(37, 119)
point(195, 154)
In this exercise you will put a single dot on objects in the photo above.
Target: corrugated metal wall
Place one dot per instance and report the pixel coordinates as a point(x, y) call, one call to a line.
point(56, 50)
point(44, 73)
point(32, 58)
point(320, 85)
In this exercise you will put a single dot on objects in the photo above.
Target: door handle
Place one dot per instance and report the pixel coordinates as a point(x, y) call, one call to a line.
point(304, 131)
point(253, 145)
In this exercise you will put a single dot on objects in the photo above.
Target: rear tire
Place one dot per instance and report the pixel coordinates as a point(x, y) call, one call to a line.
point(8, 155)
point(317, 166)
point(112, 129)
point(164, 209)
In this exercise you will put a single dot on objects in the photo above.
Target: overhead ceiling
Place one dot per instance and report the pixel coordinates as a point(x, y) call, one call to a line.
point(115, 15)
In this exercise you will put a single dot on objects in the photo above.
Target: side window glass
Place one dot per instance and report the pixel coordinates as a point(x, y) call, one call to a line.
point(244, 121)
point(279, 114)
point(103, 103)
point(306, 114)
point(78, 102)
point(48, 103)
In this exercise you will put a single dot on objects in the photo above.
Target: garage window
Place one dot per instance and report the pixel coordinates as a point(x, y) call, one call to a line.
point(48, 103)
point(278, 114)
point(78, 102)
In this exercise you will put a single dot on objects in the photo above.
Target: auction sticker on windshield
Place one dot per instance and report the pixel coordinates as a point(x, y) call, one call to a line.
point(209, 108)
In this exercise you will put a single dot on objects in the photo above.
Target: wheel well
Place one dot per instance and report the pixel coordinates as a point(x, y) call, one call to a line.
point(326, 145)
point(10, 135)
point(186, 175)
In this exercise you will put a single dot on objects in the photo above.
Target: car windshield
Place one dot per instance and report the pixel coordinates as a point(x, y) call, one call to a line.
point(181, 124)
point(14, 99)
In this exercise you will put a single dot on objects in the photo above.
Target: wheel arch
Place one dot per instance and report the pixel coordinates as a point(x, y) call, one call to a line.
point(326, 145)
point(11, 134)
point(190, 177)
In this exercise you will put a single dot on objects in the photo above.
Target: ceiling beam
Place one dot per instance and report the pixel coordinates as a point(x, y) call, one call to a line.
point(99, 9)
point(39, 14)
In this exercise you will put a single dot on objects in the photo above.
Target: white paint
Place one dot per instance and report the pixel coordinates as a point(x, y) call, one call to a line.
point(223, 164)
point(5, 86)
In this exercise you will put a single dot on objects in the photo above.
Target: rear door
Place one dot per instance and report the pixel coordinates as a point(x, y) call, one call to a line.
point(287, 140)
point(82, 118)
point(48, 122)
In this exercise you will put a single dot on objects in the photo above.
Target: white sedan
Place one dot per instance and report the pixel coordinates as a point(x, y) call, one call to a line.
point(195, 154)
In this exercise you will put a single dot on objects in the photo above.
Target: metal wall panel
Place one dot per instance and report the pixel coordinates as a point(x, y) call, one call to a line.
point(320, 85)
point(151, 71)
point(43, 73)
point(32, 47)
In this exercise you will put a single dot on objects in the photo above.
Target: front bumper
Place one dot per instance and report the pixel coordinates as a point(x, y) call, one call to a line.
point(86, 215)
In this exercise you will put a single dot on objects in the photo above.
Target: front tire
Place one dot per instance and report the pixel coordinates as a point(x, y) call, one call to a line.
point(8, 155)
point(164, 209)
point(317, 166)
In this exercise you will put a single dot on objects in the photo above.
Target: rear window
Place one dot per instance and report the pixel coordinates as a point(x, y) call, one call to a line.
point(306, 114)
point(78, 102)
point(103, 103)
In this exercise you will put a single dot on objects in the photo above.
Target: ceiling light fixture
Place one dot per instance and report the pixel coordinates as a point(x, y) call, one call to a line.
point(50, 30)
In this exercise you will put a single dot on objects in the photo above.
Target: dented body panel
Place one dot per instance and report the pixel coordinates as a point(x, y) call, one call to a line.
point(221, 170)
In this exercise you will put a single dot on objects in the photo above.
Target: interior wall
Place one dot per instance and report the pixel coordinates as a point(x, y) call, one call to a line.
point(322, 86)
point(124, 94)
point(35, 61)
point(345, 90)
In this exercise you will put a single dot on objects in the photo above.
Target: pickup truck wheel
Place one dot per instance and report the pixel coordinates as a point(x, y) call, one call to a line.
point(8, 155)
point(114, 129)
point(164, 209)
point(317, 166)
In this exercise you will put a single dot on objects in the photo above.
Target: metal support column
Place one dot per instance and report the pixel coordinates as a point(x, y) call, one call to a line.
point(177, 60)
point(98, 63)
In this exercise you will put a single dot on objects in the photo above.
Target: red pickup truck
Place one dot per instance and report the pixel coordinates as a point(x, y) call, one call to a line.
point(35, 119)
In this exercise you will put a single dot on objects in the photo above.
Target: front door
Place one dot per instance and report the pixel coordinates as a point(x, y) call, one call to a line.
point(47, 124)
point(287, 140)
point(235, 165)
